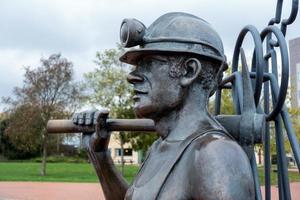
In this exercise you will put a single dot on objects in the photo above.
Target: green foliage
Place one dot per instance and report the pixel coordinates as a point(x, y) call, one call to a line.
point(21, 137)
point(107, 84)
point(226, 99)
point(62, 159)
point(226, 102)
point(141, 141)
point(295, 117)
point(3, 126)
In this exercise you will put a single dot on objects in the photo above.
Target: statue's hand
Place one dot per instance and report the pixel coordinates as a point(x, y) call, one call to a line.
point(99, 140)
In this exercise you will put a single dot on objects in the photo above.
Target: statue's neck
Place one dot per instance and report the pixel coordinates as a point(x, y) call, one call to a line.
point(191, 117)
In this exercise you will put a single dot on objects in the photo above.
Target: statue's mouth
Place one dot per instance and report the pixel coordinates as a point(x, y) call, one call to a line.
point(136, 98)
point(138, 93)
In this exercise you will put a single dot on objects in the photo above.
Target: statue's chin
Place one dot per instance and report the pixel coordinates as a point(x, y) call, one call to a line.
point(144, 111)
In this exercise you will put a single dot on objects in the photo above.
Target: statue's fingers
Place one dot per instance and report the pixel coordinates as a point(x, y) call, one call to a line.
point(101, 126)
point(75, 118)
point(100, 114)
point(104, 112)
point(89, 117)
point(81, 118)
point(95, 117)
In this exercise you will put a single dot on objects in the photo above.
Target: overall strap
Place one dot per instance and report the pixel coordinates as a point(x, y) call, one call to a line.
point(170, 166)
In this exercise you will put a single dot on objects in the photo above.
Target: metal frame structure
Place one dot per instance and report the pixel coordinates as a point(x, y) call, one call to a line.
point(264, 75)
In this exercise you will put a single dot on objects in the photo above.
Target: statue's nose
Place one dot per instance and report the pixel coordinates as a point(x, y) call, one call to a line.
point(132, 78)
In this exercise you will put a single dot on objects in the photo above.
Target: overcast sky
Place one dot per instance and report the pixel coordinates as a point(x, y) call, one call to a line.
point(33, 29)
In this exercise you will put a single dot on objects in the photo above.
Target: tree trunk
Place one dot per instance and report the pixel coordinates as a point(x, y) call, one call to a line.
point(58, 144)
point(259, 156)
point(44, 156)
point(81, 141)
point(122, 151)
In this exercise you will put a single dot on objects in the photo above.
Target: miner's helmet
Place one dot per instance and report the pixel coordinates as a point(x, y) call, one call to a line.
point(171, 33)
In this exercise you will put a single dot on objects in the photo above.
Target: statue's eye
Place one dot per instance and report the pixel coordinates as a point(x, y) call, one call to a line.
point(145, 62)
point(149, 62)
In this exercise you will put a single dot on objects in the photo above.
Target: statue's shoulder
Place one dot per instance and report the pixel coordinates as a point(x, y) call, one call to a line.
point(218, 145)
point(221, 166)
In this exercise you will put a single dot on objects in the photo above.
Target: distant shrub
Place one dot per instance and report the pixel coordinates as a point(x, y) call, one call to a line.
point(62, 159)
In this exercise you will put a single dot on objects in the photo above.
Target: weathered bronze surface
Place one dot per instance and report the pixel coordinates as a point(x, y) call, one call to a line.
point(178, 66)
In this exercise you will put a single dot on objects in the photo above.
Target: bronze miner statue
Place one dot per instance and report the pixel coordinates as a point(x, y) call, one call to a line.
point(178, 66)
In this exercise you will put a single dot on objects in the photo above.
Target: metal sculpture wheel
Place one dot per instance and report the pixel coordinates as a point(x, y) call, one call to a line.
point(262, 77)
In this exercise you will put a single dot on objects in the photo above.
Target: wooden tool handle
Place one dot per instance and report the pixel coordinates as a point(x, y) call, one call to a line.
point(67, 126)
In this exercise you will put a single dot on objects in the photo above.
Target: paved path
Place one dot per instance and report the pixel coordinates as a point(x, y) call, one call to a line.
point(295, 190)
point(49, 191)
point(75, 191)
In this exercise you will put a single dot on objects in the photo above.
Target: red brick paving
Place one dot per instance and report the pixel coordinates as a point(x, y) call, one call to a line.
point(295, 190)
point(75, 191)
point(50, 191)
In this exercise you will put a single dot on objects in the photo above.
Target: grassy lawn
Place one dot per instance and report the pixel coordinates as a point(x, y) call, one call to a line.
point(293, 176)
point(79, 172)
point(58, 172)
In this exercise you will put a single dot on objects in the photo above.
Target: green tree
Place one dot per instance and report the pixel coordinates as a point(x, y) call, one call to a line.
point(295, 117)
point(50, 91)
point(107, 84)
point(226, 100)
point(3, 126)
point(21, 136)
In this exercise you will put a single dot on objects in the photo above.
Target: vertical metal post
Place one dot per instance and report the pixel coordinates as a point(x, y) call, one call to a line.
point(281, 161)
point(267, 155)
point(287, 122)
point(218, 101)
point(256, 177)
point(291, 135)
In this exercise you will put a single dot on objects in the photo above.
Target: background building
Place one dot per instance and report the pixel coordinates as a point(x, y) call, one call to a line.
point(294, 47)
point(130, 156)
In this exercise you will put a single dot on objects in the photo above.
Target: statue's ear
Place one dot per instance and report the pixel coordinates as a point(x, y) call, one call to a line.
point(192, 70)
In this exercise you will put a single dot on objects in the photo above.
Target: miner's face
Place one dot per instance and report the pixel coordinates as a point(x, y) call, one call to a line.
point(156, 92)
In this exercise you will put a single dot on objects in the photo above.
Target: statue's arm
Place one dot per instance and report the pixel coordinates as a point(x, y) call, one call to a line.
point(113, 184)
point(222, 171)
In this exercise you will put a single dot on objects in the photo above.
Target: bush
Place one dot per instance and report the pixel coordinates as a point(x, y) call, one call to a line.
point(10, 151)
point(82, 153)
point(63, 159)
